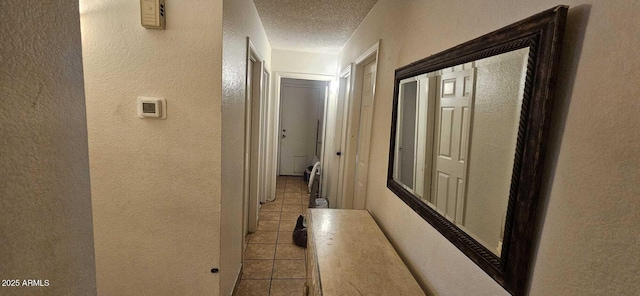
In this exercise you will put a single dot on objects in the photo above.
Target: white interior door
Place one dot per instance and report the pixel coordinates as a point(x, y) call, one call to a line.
point(251, 152)
point(364, 136)
point(340, 136)
point(302, 111)
point(453, 119)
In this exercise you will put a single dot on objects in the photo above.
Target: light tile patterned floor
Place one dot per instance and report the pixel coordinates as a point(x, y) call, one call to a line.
point(273, 264)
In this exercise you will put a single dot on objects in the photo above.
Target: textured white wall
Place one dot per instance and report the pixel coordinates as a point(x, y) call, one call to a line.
point(155, 183)
point(45, 198)
point(587, 245)
point(240, 20)
point(304, 62)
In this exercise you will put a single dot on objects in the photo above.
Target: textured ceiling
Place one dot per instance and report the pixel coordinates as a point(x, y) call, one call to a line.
point(311, 25)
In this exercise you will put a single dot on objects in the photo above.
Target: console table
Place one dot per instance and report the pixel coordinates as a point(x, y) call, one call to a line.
point(347, 254)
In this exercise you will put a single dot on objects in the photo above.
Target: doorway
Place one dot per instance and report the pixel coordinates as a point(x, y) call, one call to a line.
point(340, 135)
point(301, 124)
point(276, 132)
point(254, 105)
point(356, 163)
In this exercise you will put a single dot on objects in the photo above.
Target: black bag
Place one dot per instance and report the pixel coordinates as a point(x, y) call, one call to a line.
point(300, 233)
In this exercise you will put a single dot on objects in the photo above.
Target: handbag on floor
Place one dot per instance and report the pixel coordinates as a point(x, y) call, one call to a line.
point(300, 233)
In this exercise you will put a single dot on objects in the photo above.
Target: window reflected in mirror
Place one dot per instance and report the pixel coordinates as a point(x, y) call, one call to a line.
point(456, 138)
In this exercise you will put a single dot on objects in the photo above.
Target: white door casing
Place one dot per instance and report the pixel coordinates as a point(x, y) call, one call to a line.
point(252, 135)
point(364, 135)
point(254, 144)
point(247, 152)
point(264, 132)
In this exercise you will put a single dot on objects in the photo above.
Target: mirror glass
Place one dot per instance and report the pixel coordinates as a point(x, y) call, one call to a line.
point(456, 137)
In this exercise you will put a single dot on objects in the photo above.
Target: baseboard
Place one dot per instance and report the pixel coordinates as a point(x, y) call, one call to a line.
point(238, 277)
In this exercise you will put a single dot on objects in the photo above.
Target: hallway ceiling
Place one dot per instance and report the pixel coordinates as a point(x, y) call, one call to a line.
point(311, 25)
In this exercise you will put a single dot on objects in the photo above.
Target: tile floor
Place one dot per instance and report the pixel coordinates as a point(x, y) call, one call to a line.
point(273, 264)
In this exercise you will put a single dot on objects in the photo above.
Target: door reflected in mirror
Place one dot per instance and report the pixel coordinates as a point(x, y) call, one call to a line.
point(456, 137)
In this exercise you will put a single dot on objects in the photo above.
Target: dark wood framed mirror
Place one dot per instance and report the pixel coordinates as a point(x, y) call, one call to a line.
point(468, 137)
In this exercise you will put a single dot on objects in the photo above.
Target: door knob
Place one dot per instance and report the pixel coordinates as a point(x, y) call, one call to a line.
point(338, 153)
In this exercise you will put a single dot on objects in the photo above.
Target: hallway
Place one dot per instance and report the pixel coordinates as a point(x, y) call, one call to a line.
point(273, 264)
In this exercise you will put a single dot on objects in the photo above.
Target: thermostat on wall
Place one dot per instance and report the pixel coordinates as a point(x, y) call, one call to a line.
point(152, 14)
point(152, 107)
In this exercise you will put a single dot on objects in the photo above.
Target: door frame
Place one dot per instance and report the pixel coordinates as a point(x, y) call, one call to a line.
point(275, 133)
point(345, 90)
point(253, 84)
point(348, 191)
point(264, 185)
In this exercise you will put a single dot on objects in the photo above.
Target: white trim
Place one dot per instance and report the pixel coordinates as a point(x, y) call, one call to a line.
point(369, 53)
point(250, 204)
point(256, 53)
point(265, 182)
point(346, 71)
point(238, 277)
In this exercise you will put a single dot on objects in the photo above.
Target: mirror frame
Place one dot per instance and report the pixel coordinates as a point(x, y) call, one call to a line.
point(543, 34)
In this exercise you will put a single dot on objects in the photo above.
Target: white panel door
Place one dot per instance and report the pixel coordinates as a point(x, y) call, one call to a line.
point(453, 111)
point(300, 116)
point(364, 135)
point(340, 135)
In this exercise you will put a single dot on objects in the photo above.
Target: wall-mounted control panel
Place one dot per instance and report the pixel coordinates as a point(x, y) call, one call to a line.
point(149, 107)
point(152, 14)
